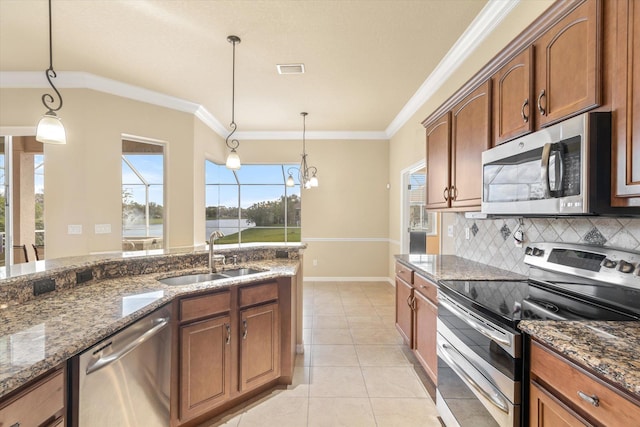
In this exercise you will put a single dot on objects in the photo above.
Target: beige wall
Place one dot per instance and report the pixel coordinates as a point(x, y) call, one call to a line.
point(407, 146)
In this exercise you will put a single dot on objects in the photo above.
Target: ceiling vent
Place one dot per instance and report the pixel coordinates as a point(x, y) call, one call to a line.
point(290, 68)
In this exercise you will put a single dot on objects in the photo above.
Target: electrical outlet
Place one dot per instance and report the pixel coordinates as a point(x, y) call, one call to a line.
point(84, 276)
point(315, 262)
point(102, 228)
point(74, 229)
point(282, 254)
point(43, 286)
point(467, 233)
point(450, 231)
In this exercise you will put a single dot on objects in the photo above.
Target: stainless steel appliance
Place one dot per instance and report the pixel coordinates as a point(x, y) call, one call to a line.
point(564, 169)
point(124, 380)
point(481, 357)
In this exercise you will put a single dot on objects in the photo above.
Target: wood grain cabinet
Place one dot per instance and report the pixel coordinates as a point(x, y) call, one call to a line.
point(512, 96)
point(626, 100)
point(404, 303)
point(41, 403)
point(438, 161)
point(565, 394)
point(259, 346)
point(424, 328)
point(568, 65)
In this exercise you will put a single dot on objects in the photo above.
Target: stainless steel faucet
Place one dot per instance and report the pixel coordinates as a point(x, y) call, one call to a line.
point(216, 234)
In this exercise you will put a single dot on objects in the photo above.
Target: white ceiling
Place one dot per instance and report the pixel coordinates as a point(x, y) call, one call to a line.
point(364, 59)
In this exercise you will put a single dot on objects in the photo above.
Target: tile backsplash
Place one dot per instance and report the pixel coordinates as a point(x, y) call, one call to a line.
point(491, 241)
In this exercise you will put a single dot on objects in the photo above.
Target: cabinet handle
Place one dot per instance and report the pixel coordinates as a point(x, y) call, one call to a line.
point(244, 333)
point(589, 399)
point(525, 118)
point(409, 300)
point(542, 110)
point(453, 193)
point(228, 333)
point(445, 194)
point(15, 425)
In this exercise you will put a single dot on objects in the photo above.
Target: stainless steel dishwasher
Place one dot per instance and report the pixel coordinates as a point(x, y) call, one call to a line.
point(124, 380)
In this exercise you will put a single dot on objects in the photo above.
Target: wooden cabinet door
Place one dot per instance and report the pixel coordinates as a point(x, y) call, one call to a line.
point(470, 136)
point(438, 159)
point(424, 335)
point(404, 313)
point(259, 345)
point(512, 96)
point(626, 146)
point(545, 410)
point(205, 366)
point(568, 65)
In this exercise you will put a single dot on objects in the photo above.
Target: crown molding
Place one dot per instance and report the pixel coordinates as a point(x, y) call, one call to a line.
point(489, 17)
point(296, 135)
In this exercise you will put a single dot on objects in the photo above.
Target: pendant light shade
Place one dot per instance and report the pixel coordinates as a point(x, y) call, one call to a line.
point(233, 160)
point(290, 181)
point(50, 129)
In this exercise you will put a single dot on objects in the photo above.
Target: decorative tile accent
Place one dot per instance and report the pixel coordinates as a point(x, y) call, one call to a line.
point(594, 237)
point(474, 229)
point(505, 231)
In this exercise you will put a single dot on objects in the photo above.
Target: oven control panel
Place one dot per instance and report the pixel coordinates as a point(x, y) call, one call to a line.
point(593, 262)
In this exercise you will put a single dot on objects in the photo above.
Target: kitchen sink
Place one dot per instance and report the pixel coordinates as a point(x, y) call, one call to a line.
point(190, 279)
point(241, 272)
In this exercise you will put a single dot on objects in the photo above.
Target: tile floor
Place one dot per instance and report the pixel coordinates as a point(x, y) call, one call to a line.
point(354, 371)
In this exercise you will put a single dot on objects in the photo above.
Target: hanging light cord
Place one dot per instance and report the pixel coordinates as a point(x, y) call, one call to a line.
point(47, 99)
point(234, 143)
point(304, 170)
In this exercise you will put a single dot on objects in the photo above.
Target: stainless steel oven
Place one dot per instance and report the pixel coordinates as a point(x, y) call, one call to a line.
point(482, 358)
point(564, 169)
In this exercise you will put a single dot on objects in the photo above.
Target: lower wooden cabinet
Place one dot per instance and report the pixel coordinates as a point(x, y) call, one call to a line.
point(39, 404)
point(547, 411)
point(205, 365)
point(424, 334)
point(404, 311)
point(259, 346)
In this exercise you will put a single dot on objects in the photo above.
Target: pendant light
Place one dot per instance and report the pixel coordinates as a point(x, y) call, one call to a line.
point(233, 160)
point(305, 180)
point(50, 129)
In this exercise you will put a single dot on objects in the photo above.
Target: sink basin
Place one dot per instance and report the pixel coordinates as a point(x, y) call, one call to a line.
point(191, 279)
point(241, 272)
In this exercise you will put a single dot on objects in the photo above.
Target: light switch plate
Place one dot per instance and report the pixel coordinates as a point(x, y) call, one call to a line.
point(74, 229)
point(450, 231)
point(102, 228)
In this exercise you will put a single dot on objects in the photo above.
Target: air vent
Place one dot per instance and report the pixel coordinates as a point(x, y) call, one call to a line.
point(290, 68)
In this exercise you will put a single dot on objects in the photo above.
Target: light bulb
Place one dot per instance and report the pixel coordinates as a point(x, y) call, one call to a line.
point(50, 129)
point(290, 181)
point(233, 160)
point(313, 181)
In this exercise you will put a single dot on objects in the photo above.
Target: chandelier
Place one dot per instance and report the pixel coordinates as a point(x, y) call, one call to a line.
point(308, 174)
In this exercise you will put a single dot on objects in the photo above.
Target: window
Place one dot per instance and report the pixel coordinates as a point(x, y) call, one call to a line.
point(252, 204)
point(142, 195)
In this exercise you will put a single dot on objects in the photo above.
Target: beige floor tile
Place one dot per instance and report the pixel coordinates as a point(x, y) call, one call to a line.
point(350, 302)
point(329, 309)
point(359, 310)
point(388, 300)
point(384, 310)
point(307, 336)
point(389, 321)
point(331, 336)
point(299, 386)
point(228, 419)
point(328, 412)
point(305, 358)
point(277, 411)
point(330, 322)
point(339, 381)
point(382, 336)
point(371, 320)
point(393, 382)
point(333, 355)
point(307, 319)
point(392, 412)
point(381, 355)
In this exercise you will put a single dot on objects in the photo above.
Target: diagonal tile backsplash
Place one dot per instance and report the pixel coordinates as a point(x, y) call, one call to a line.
point(491, 240)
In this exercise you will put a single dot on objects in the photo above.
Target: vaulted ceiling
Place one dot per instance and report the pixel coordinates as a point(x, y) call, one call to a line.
point(364, 59)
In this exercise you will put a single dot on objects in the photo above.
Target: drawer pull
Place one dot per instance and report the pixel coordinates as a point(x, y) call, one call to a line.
point(246, 329)
point(15, 425)
point(589, 399)
point(228, 327)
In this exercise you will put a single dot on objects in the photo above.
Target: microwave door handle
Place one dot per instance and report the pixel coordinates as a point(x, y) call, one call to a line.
point(558, 171)
point(544, 169)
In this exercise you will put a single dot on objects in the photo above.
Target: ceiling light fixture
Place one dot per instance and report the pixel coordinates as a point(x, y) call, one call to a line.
point(233, 160)
point(50, 129)
point(308, 174)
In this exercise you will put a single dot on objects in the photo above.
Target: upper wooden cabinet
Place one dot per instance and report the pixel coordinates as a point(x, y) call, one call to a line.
point(470, 136)
point(512, 95)
point(568, 65)
point(438, 159)
point(626, 100)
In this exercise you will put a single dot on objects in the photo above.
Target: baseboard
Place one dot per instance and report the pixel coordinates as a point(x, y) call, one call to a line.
point(346, 279)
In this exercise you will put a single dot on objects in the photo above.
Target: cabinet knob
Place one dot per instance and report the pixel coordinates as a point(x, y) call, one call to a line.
point(540, 107)
point(589, 399)
point(525, 118)
point(445, 194)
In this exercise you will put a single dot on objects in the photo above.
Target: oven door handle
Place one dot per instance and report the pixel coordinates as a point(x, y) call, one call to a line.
point(448, 353)
point(475, 325)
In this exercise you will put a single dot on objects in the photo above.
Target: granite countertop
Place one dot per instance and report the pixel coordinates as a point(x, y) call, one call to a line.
point(451, 267)
point(609, 348)
point(38, 335)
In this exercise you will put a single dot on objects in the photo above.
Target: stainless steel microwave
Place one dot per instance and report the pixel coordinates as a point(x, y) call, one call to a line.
point(564, 169)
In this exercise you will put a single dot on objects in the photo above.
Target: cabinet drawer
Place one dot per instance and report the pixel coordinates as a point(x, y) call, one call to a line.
point(426, 288)
point(250, 295)
point(43, 402)
point(405, 273)
point(204, 306)
point(567, 380)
